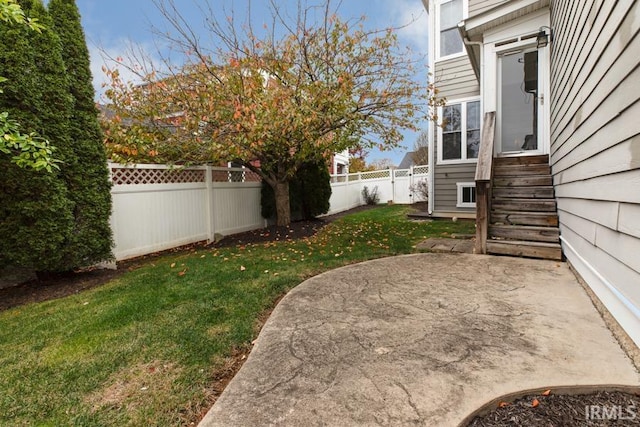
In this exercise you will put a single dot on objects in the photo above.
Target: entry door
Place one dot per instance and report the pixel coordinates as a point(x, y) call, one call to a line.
point(519, 103)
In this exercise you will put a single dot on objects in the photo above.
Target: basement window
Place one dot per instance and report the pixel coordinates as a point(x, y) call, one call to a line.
point(466, 195)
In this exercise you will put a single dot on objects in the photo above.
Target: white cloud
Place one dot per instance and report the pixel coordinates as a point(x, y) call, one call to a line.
point(412, 15)
point(132, 57)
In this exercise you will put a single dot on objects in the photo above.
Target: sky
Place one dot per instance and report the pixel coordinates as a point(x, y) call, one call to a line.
point(113, 26)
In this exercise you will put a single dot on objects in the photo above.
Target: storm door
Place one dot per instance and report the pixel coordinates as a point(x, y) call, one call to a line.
point(519, 102)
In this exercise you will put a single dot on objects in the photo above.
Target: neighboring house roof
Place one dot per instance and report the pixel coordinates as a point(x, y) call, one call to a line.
point(407, 160)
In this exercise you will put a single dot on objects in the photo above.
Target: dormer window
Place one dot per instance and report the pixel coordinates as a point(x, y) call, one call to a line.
point(450, 13)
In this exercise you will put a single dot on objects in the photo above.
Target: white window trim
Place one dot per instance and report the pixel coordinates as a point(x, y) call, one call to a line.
point(460, 203)
point(523, 26)
point(465, 15)
point(463, 120)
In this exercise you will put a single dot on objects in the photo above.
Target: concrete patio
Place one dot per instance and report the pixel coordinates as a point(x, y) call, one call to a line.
point(420, 340)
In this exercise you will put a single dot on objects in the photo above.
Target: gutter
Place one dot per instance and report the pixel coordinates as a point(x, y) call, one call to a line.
point(476, 60)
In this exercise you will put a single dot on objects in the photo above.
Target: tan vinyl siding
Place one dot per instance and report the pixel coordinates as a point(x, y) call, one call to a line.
point(445, 189)
point(476, 7)
point(455, 78)
point(595, 147)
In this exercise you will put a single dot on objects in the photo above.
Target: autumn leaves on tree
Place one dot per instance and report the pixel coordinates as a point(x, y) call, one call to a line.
point(302, 88)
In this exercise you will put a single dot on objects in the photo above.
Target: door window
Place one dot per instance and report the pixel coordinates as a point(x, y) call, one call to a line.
point(519, 101)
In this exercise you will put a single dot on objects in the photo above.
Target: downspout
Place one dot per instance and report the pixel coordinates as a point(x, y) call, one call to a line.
point(480, 71)
point(432, 166)
point(431, 134)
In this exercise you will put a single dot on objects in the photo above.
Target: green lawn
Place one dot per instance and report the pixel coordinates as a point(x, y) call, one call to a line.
point(145, 348)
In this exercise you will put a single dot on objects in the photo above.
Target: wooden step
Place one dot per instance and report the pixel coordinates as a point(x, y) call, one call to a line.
point(524, 205)
point(533, 192)
point(522, 160)
point(521, 170)
point(525, 249)
point(522, 181)
point(528, 233)
point(543, 219)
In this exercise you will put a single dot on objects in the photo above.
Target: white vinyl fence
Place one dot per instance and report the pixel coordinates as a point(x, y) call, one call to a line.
point(393, 185)
point(157, 207)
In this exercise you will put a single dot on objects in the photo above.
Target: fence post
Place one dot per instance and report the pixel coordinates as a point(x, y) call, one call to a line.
point(411, 199)
point(392, 175)
point(112, 221)
point(211, 231)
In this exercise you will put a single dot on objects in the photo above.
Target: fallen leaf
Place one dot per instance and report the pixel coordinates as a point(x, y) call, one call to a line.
point(173, 264)
point(546, 392)
point(182, 273)
point(535, 403)
point(242, 268)
point(502, 404)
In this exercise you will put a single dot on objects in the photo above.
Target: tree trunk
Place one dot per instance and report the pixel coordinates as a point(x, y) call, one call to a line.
point(283, 210)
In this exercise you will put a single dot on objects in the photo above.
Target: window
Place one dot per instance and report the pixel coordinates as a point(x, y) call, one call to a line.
point(466, 195)
point(236, 175)
point(460, 133)
point(450, 14)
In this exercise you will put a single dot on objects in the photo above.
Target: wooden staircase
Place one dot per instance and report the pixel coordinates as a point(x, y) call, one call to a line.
point(523, 218)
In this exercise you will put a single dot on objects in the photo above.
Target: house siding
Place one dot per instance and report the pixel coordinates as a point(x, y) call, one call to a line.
point(455, 78)
point(446, 190)
point(595, 148)
point(476, 7)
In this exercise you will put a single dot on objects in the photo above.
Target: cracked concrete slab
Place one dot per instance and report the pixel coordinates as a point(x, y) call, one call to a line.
point(420, 340)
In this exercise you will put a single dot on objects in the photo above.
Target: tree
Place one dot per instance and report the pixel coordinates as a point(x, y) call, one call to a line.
point(309, 192)
point(28, 151)
point(300, 89)
point(87, 178)
point(420, 154)
point(357, 162)
point(381, 164)
point(37, 215)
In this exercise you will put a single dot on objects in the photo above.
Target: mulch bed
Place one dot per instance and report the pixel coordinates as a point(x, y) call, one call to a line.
point(71, 283)
point(601, 408)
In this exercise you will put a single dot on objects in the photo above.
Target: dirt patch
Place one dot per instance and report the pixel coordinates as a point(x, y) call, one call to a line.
point(602, 408)
point(130, 388)
point(220, 379)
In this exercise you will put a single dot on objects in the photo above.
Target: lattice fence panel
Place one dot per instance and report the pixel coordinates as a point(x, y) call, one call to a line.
point(400, 173)
point(130, 176)
point(234, 175)
point(420, 170)
point(375, 174)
